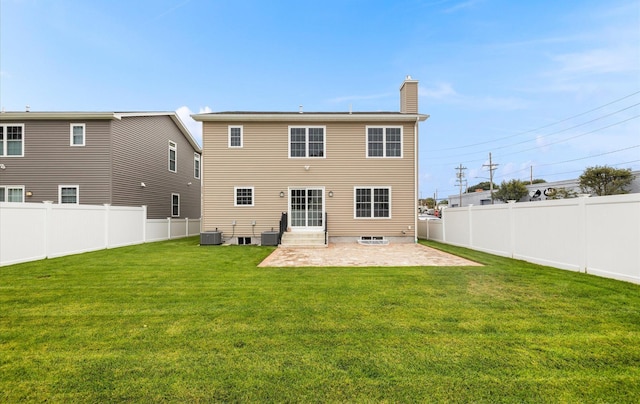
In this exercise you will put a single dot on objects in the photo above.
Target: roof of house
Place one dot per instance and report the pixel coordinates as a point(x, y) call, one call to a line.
point(308, 116)
point(85, 115)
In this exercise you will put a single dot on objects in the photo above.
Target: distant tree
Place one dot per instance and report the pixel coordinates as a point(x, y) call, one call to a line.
point(430, 203)
point(443, 202)
point(538, 181)
point(484, 185)
point(605, 180)
point(511, 190)
point(560, 193)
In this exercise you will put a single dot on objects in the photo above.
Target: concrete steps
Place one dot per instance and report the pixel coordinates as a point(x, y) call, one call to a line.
point(303, 239)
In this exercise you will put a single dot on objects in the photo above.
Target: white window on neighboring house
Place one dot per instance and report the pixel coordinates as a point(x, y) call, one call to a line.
point(384, 141)
point(372, 202)
point(307, 141)
point(68, 194)
point(175, 205)
point(196, 165)
point(12, 194)
point(243, 196)
point(12, 140)
point(235, 136)
point(173, 157)
point(77, 134)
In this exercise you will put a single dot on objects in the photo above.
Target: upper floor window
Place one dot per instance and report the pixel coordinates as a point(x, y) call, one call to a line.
point(175, 205)
point(196, 165)
point(372, 202)
point(12, 194)
point(77, 134)
point(12, 140)
point(306, 141)
point(235, 136)
point(68, 194)
point(173, 156)
point(243, 196)
point(384, 141)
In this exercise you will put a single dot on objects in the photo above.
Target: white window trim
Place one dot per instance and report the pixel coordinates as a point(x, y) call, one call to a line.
point(84, 134)
point(77, 187)
point(235, 197)
point(4, 145)
point(372, 188)
point(306, 141)
point(172, 146)
point(241, 136)
point(172, 196)
point(197, 158)
point(384, 142)
point(6, 192)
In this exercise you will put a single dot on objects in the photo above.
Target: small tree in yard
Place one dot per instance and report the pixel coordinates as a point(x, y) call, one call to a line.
point(605, 180)
point(511, 190)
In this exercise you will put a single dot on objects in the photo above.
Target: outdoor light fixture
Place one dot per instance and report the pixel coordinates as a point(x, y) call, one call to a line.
point(142, 185)
point(281, 194)
point(29, 193)
point(330, 194)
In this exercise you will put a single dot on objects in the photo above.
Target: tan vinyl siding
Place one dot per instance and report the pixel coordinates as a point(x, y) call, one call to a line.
point(49, 161)
point(263, 163)
point(140, 149)
point(409, 97)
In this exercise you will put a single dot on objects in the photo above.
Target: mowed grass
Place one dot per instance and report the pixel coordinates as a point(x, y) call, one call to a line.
point(176, 322)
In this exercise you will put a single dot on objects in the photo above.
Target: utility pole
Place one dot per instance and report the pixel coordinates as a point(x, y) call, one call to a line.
point(531, 177)
point(492, 168)
point(460, 179)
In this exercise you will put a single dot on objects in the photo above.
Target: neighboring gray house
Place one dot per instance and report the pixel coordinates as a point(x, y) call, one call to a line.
point(537, 192)
point(94, 158)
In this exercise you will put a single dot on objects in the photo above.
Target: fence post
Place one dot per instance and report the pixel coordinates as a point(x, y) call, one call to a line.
point(168, 228)
point(144, 223)
point(470, 220)
point(512, 228)
point(582, 232)
point(186, 223)
point(107, 220)
point(48, 206)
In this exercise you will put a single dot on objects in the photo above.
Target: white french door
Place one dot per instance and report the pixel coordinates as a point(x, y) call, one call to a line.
point(306, 209)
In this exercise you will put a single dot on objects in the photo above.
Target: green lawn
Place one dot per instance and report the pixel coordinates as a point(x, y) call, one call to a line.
point(172, 321)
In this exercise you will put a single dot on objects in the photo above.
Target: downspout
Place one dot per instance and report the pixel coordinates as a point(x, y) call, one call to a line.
point(417, 182)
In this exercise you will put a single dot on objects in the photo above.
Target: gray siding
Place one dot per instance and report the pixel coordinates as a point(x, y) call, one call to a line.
point(49, 161)
point(140, 154)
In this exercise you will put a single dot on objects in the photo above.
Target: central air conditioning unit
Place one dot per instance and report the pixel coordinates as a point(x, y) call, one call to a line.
point(211, 238)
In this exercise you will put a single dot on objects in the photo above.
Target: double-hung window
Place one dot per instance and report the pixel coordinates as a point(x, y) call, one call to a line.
point(12, 194)
point(68, 194)
point(372, 202)
point(173, 157)
point(235, 136)
point(307, 141)
point(243, 196)
point(175, 205)
point(77, 134)
point(384, 141)
point(196, 166)
point(12, 140)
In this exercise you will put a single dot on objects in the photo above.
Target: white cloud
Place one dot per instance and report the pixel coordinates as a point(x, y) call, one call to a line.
point(597, 61)
point(441, 90)
point(194, 127)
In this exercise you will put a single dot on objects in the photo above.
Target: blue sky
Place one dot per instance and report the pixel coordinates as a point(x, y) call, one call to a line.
point(548, 85)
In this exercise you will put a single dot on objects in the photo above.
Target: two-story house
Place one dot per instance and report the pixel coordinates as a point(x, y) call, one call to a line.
point(353, 175)
point(117, 158)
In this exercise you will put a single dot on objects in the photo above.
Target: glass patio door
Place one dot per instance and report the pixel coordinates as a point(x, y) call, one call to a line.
point(306, 208)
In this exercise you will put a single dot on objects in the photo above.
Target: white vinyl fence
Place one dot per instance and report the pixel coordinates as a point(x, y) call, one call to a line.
point(32, 231)
point(598, 235)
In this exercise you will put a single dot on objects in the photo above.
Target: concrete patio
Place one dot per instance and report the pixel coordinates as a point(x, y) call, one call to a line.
point(357, 255)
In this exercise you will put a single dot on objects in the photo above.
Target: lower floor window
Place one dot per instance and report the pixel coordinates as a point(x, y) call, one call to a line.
point(68, 194)
point(243, 196)
point(175, 205)
point(372, 202)
point(12, 194)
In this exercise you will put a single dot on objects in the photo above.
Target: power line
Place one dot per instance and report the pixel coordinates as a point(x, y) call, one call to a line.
point(540, 127)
